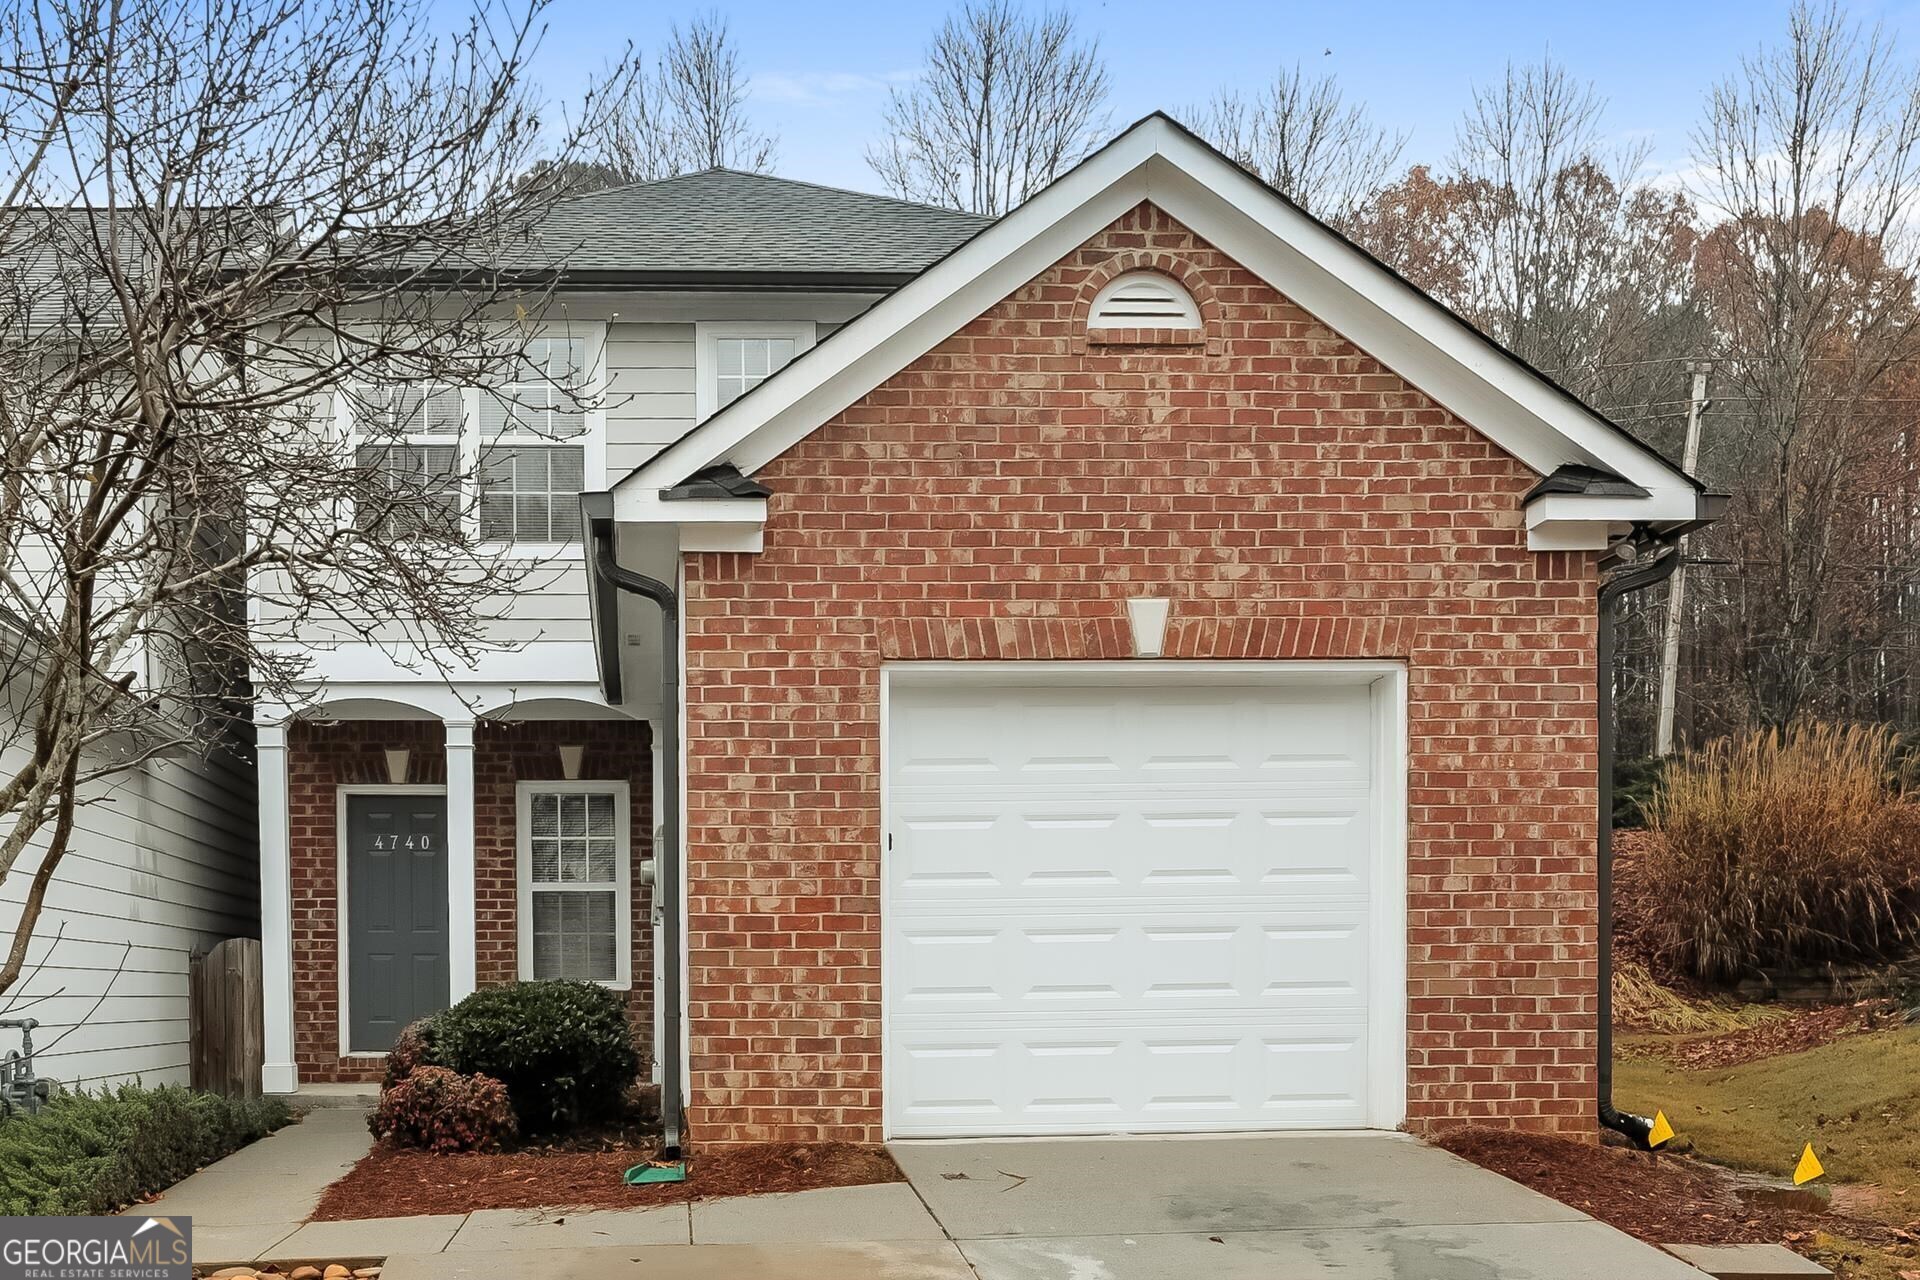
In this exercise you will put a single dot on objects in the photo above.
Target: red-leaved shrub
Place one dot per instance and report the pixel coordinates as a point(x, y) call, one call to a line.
point(440, 1110)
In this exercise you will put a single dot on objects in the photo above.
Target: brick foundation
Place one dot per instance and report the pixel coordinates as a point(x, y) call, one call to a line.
point(1000, 498)
point(323, 756)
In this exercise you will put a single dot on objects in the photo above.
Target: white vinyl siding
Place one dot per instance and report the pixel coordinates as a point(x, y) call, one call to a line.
point(161, 866)
point(575, 907)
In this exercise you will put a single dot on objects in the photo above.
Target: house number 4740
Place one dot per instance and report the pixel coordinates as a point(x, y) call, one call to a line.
point(402, 842)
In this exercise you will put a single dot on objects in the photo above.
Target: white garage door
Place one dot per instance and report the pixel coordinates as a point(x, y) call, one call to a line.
point(1135, 907)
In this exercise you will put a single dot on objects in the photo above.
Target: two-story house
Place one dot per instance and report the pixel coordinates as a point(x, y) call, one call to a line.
point(1129, 666)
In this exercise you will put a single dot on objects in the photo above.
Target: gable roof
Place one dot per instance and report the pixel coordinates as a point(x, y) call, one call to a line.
point(721, 223)
point(1157, 160)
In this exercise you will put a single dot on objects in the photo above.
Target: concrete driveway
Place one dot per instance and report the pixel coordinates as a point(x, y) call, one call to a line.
point(1361, 1206)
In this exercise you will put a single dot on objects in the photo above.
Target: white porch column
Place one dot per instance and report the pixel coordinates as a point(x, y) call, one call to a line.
point(277, 1074)
point(462, 925)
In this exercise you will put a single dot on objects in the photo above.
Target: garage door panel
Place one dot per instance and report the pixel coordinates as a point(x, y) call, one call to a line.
point(1048, 848)
point(1099, 1079)
point(1128, 908)
point(1033, 737)
point(1149, 957)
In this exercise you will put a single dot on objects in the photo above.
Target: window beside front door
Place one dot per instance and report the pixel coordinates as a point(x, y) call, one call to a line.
point(575, 904)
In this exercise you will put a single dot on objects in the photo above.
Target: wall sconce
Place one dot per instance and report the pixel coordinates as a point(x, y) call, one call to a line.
point(570, 756)
point(397, 765)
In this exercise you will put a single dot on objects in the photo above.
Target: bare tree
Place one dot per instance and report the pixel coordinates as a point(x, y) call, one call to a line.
point(689, 113)
point(1810, 152)
point(248, 249)
point(1301, 135)
point(1007, 102)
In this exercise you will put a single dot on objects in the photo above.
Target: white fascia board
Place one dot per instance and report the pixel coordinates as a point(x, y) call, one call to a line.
point(1393, 322)
point(1341, 286)
point(1666, 507)
point(1573, 535)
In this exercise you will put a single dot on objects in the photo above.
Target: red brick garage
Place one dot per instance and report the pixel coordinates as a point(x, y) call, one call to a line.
point(1000, 498)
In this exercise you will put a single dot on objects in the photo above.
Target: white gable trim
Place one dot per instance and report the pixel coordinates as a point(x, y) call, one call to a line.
point(1157, 161)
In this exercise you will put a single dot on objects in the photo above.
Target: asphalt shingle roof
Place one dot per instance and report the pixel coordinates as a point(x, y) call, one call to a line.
point(723, 222)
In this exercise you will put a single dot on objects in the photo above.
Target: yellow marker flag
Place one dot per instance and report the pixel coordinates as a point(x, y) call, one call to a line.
point(1661, 1132)
point(1809, 1167)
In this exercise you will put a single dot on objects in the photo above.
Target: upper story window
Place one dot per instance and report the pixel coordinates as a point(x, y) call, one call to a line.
point(1143, 300)
point(732, 357)
point(525, 444)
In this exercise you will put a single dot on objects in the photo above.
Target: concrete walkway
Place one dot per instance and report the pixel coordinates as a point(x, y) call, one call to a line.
point(1357, 1206)
point(1360, 1206)
point(244, 1205)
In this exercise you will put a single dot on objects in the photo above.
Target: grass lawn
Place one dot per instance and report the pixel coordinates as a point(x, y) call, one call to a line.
point(1856, 1100)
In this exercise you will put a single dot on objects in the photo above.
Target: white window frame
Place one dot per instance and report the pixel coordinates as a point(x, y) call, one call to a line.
point(523, 793)
point(706, 357)
point(468, 442)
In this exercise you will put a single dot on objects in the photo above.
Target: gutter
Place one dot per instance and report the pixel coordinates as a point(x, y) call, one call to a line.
point(607, 578)
point(1637, 576)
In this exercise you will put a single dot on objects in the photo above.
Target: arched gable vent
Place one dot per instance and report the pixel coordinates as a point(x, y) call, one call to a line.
point(1143, 300)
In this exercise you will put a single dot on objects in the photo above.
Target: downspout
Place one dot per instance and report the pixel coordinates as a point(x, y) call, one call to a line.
point(666, 880)
point(1635, 577)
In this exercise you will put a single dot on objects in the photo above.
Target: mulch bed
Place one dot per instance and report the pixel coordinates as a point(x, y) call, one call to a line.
point(390, 1182)
point(1796, 1032)
point(1659, 1199)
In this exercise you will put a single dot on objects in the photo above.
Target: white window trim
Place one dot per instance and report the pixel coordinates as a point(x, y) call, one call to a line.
point(622, 872)
point(593, 441)
point(706, 362)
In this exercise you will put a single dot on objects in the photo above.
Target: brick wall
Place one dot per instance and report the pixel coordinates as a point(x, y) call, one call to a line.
point(1000, 498)
point(323, 756)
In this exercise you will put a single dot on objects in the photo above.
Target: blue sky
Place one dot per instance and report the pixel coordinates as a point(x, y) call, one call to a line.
point(820, 71)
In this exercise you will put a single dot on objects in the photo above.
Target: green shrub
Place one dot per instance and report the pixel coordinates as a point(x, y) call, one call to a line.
point(1635, 783)
point(562, 1049)
point(1778, 849)
point(93, 1153)
point(412, 1049)
point(440, 1110)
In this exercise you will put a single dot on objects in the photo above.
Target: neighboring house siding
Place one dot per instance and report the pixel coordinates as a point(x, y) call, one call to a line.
point(161, 866)
point(1001, 498)
point(322, 757)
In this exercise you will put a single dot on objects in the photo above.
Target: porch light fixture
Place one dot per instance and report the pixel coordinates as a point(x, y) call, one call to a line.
point(570, 756)
point(397, 765)
point(1147, 615)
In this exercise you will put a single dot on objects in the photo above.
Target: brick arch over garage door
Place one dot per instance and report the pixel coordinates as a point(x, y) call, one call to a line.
point(1001, 498)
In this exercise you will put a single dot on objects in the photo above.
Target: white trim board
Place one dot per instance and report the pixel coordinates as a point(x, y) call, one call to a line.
point(1156, 160)
point(1386, 1100)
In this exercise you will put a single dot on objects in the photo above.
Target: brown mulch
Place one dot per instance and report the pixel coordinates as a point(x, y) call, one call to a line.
point(1798, 1031)
point(1659, 1199)
point(391, 1182)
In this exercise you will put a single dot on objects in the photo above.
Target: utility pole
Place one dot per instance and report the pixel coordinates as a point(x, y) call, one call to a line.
point(1677, 587)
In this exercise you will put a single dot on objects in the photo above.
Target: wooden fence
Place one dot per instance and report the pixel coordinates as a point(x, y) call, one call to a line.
point(226, 1021)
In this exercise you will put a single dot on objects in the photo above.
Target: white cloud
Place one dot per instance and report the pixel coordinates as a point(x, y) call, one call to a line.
point(813, 88)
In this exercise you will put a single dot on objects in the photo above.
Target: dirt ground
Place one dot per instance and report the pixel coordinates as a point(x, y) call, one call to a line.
point(391, 1182)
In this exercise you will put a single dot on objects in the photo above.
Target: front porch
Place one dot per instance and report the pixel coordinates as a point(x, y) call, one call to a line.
point(410, 854)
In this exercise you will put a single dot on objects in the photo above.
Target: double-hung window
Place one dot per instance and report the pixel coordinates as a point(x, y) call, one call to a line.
point(575, 908)
point(532, 461)
point(732, 357)
point(505, 463)
point(409, 447)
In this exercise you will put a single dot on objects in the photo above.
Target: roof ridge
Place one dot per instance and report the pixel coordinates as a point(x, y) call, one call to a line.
point(782, 178)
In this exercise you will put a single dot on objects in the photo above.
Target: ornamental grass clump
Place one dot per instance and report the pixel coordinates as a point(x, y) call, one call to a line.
point(1780, 848)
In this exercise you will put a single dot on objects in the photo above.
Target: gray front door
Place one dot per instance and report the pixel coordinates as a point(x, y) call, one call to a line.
point(396, 915)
